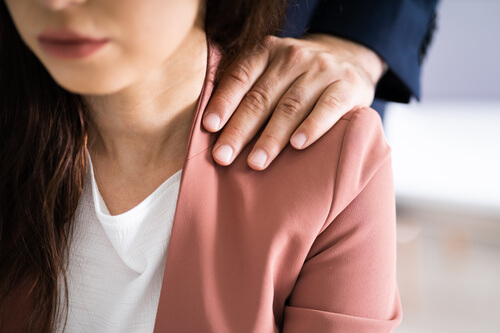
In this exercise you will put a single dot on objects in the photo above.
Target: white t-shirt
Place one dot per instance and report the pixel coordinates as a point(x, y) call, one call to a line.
point(116, 263)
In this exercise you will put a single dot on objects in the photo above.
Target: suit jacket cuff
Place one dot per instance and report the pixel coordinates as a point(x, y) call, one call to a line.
point(399, 31)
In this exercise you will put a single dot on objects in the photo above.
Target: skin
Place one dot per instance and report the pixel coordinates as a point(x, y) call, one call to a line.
point(303, 85)
point(142, 87)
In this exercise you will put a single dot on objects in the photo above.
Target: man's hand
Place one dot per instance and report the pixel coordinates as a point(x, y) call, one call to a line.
point(304, 85)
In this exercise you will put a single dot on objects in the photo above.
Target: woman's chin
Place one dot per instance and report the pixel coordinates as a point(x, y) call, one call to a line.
point(89, 87)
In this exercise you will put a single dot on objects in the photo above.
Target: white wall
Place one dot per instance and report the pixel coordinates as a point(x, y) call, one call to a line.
point(464, 59)
point(446, 149)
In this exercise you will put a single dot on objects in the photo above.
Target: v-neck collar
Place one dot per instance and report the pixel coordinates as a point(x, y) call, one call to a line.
point(199, 138)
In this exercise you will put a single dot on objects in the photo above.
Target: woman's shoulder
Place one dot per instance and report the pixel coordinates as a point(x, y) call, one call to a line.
point(364, 146)
point(351, 151)
point(322, 178)
point(314, 184)
point(363, 153)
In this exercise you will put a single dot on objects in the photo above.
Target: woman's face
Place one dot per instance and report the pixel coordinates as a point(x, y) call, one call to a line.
point(129, 38)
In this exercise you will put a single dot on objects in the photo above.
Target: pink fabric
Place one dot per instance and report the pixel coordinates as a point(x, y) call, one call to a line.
point(307, 245)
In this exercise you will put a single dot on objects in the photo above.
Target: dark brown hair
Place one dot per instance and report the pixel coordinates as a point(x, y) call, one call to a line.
point(43, 130)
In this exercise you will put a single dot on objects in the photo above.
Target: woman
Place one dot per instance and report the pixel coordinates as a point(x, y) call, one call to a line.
point(95, 124)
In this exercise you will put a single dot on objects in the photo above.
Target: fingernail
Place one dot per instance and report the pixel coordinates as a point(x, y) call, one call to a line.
point(298, 140)
point(224, 153)
point(258, 158)
point(212, 121)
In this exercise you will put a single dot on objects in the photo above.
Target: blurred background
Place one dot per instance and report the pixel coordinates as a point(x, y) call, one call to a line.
point(446, 159)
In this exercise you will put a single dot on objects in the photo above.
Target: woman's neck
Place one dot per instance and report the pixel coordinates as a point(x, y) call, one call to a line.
point(147, 124)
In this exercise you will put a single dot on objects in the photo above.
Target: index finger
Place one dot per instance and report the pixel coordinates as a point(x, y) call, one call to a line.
point(237, 80)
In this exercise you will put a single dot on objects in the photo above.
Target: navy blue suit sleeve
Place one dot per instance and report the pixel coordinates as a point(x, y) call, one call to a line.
point(398, 30)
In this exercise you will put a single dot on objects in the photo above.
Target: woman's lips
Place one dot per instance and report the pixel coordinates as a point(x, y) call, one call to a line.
point(68, 44)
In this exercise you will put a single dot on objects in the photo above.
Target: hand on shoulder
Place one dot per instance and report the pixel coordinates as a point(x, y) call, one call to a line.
point(302, 86)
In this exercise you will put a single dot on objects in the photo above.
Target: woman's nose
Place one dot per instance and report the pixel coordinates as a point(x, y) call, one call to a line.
point(60, 4)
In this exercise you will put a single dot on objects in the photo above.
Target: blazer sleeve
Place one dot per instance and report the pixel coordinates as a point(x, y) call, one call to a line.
point(348, 280)
point(398, 30)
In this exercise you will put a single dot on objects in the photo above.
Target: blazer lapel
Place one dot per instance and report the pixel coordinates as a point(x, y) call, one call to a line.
point(186, 221)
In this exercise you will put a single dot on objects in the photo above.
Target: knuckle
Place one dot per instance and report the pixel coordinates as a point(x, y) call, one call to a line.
point(350, 75)
point(221, 99)
point(289, 108)
point(324, 62)
point(332, 102)
point(256, 100)
point(293, 103)
point(293, 54)
point(270, 40)
point(241, 74)
point(288, 40)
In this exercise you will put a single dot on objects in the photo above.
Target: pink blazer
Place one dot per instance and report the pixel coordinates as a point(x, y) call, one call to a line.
point(307, 245)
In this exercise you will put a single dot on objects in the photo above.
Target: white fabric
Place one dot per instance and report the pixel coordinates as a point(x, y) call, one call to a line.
point(116, 263)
